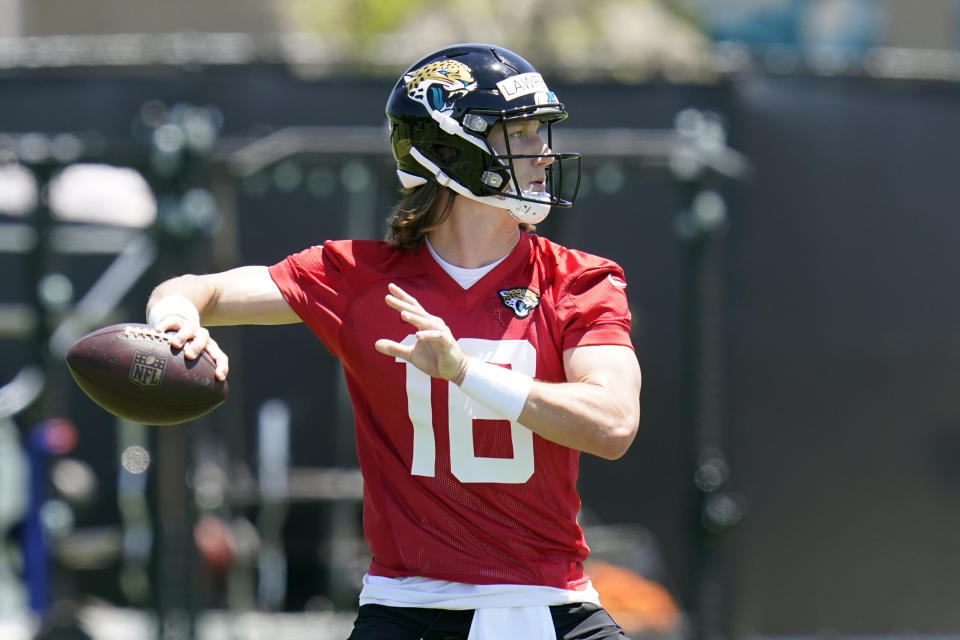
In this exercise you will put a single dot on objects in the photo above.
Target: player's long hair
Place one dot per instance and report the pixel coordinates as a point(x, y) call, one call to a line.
point(419, 211)
point(424, 208)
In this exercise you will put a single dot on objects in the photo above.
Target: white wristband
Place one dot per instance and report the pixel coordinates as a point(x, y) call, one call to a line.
point(172, 305)
point(498, 388)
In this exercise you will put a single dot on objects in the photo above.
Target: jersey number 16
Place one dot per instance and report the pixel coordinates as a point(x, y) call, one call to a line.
point(463, 411)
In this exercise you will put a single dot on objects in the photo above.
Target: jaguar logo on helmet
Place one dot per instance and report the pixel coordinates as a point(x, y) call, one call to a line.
point(439, 84)
point(519, 300)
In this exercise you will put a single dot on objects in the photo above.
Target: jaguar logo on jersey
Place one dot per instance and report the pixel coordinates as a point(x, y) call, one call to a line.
point(147, 369)
point(439, 84)
point(521, 301)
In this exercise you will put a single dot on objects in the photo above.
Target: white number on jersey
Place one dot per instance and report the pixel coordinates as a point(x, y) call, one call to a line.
point(463, 412)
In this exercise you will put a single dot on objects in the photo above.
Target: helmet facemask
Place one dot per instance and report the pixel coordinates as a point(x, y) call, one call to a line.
point(501, 177)
point(498, 184)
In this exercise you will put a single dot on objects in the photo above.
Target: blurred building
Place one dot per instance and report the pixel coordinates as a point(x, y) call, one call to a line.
point(9, 18)
point(932, 24)
point(629, 40)
point(848, 24)
point(63, 17)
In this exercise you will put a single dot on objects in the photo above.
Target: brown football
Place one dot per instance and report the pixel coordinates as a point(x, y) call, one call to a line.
point(133, 371)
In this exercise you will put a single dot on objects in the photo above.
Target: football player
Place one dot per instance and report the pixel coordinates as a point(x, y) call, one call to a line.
point(481, 360)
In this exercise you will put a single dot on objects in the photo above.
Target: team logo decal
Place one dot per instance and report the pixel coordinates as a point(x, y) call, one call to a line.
point(439, 84)
point(147, 369)
point(521, 301)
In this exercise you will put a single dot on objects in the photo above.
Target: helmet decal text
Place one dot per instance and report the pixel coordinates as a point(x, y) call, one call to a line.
point(522, 85)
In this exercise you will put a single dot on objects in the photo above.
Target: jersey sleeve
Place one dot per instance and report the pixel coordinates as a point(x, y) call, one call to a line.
point(594, 310)
point(313, 285)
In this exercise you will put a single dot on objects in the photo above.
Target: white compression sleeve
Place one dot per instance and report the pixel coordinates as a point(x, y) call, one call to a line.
point(173, 305)
point(503, 390)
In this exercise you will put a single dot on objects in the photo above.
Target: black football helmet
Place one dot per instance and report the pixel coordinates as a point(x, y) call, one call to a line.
point(442, 110)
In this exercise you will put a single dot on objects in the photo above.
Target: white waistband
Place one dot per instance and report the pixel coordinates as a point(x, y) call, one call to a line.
point(441, 594)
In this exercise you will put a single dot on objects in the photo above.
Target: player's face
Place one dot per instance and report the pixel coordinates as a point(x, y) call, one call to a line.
point(525, 139)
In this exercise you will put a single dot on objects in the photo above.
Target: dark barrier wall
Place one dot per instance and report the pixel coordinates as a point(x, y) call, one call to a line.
point(844, 359)
point(841, 332)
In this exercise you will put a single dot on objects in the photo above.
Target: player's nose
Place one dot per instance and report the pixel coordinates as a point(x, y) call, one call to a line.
point(543, 159)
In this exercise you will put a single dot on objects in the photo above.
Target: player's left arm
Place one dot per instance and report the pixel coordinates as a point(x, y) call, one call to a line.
point(597, 410)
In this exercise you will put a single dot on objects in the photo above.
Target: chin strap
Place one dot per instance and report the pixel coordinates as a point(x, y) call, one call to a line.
point(522, 211)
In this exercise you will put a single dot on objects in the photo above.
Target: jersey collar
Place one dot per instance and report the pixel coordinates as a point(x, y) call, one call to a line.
point(466, 298)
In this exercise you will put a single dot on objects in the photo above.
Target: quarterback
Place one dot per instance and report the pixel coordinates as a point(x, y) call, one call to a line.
point(481, 360)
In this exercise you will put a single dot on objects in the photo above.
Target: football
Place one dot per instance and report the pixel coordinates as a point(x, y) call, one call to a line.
point(133, 371)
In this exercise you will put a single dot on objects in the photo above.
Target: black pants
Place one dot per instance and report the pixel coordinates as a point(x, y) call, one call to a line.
point(580, 621)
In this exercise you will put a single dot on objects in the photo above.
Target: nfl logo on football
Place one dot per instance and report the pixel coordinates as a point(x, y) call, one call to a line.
point(147, 369)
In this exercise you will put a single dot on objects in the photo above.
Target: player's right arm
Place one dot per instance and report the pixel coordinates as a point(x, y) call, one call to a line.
point(245, 295)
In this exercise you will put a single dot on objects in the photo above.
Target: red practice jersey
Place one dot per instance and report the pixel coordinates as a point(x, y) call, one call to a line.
point(452, 491)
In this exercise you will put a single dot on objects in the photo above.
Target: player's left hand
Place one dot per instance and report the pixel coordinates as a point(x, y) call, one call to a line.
point(436, 352)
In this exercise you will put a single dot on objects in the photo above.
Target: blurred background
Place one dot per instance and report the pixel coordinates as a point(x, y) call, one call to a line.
point(779, 179)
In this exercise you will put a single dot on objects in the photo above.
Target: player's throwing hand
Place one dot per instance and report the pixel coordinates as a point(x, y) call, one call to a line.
point(436, 352)
point(194, 340)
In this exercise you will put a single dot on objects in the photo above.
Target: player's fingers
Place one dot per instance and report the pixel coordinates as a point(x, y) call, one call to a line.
point(418, 320)
point(197, 344)
point(397, 291)
point(220, 358)
point(168, 323)
point(412, 308)
point(403, 295)
point(403, 305)
point(431, 335)
point(182, 337)
point(186, 333)
point(181, 331)
point(391, 348)
point(424, 321)
point(396, 303)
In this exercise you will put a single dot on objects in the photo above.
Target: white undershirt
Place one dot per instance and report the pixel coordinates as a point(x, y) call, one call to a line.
point(466, 278)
